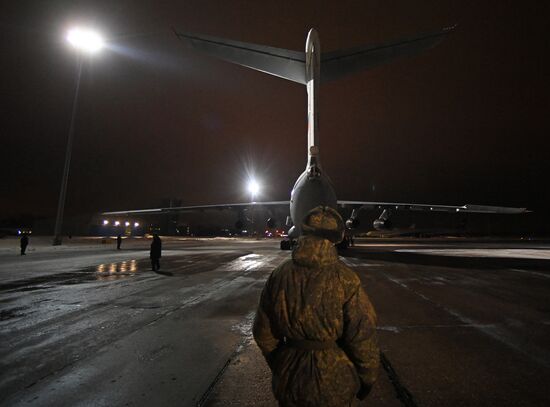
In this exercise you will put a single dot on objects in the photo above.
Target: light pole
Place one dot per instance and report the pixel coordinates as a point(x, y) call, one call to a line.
point(85, 41)
point(254, 189)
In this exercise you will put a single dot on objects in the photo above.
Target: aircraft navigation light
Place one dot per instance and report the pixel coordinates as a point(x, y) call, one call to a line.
point(85, 40)
point(126, 223)
point(136, 224)
point(105, 222)
point(117, 223)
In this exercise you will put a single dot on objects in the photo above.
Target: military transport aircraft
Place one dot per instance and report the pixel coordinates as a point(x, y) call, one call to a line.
point(310, 68)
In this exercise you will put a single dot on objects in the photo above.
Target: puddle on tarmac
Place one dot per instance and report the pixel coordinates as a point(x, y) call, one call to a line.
point(102, 272)
point(11, 313)
point(250, 262)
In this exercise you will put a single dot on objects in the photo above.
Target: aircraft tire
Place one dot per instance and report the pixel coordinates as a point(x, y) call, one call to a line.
point(285, 245)
point(343, 245)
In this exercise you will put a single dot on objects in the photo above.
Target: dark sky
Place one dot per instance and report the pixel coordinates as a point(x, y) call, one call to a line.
point(465, 122)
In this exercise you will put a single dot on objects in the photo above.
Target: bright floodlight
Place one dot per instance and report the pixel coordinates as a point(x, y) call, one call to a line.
point(253, 187)
point(105, 222)
point(136, 224)
point(126, 223)
point(117, 223)
point(85, 40)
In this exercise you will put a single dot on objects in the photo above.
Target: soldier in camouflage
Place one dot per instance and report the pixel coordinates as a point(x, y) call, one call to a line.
point(315, 324)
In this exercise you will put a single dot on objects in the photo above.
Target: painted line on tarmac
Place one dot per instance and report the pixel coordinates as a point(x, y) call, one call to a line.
point(355, 262)
point(534, 353)
point(398, 329)
point(534, 273)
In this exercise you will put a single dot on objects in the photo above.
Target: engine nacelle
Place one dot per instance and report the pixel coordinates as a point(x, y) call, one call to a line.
point(352, 223)
point(380, 224)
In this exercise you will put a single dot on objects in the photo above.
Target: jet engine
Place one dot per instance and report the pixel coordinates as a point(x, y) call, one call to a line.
point(383, 222)
point(352, 222)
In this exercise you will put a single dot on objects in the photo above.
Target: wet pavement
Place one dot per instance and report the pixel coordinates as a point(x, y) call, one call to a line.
point(124, 333)
point(97, 327)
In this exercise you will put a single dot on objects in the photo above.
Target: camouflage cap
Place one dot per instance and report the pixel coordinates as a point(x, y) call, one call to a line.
point(325, 222)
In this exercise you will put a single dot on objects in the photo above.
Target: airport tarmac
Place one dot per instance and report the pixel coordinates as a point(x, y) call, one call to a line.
point(460, 323)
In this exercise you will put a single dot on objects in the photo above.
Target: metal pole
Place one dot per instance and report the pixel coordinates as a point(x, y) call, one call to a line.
point(62, 194)
point(253, 213)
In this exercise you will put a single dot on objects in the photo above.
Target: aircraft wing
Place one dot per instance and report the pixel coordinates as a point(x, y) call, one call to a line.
point(175, 209)
point(432, 208)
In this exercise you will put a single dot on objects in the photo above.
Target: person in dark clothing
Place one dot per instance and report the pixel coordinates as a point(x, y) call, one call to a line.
point(118, 241)
point(24, 243)
point(315, 324)
point(156, 250)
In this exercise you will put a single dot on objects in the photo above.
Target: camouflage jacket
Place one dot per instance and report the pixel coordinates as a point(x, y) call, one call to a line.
point(315, 297)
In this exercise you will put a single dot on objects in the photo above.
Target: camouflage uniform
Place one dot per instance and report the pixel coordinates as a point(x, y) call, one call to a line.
point(315, 324)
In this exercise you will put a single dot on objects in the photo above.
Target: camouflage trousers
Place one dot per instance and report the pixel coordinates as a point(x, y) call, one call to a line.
point(354, 403)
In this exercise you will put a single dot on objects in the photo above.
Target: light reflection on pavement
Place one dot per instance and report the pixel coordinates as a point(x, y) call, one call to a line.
point(113, 271)
point(500, 253)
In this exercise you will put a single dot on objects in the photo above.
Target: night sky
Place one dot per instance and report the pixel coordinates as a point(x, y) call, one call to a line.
point(465, 122)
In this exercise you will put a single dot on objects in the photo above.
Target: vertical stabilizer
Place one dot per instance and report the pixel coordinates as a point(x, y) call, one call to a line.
point(313, 76)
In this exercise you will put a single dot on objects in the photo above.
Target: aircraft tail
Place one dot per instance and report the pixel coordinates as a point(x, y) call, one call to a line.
point(290, 65)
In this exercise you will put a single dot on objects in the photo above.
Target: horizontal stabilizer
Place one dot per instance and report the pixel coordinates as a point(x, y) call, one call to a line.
point(275, 61)
point(337, 64)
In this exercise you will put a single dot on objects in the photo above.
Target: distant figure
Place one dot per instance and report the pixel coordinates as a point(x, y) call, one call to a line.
point(24, 243)
point(118, 241)
point(315, 324)
point(156, 250)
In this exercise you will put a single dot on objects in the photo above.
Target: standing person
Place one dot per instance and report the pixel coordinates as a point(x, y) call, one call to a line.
point(24, 243)
point(315, 324)
point(118, 241)
point(156, 251)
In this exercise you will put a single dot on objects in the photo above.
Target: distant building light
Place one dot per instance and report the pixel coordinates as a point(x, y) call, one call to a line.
point(126, 223)
point(18, 232)
point(117, 223)
point(136, 224)
point(105, 222)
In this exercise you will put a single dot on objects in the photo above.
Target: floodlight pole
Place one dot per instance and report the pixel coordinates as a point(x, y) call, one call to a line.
point(253, 212)
point(62, 194)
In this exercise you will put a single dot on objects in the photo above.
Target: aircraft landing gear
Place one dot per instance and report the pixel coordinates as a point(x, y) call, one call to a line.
point(344, 244)
point(286, 245)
